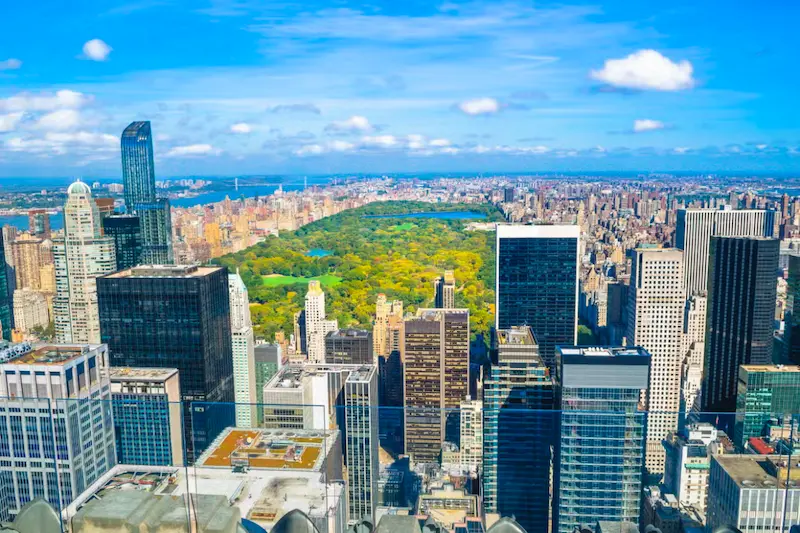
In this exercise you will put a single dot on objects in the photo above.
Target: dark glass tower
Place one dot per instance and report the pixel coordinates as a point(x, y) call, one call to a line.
point(139, 180)
point(742, 288)
point(792, 315)
point(5, 297)
point(127, 234)
point(349, 346)
point(537, 283)
point(175, 317)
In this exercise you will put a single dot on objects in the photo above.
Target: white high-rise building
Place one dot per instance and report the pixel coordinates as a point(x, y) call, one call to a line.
point(81, 256)
point(471, 450)
point(655, 322)
point(696, 227)
point(693, 349)
point(56, 423)
point(361, 432)
point(316, 324)
point(243, 343)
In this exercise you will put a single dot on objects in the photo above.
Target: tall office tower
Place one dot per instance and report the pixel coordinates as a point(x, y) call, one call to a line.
point(268, 361)
point(30, 310)
point(127, 235)
point(508, 195)
point(316, 324)
point(655, 322)
point(6, 319)
point(361, 434)
point(792, 314)
point(602, 393)
point(139, 180)
point(56, 423)
point(765, 392)
point(693, 350)
point(301, 348)
point(518, 430)
point(26, 252)
point(387, 333)
point(436, 349)
point(175, 317)
point(444, 289)
point(696, 227)
point(350, 347)
point(243, 343)
point(537, 283)
point(741, 309)
point(147, 416)
point(82, 255)
point(688, 462)
point(753, 493)
point(39, 223)
point(471, 445)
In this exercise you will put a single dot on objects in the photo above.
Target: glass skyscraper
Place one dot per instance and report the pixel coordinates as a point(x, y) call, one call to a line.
point(518, 431)
point(139, 181)
point(5, 297)
point(537, 283)
point(175, 317)
point(127, 235)
point(602, 393)
point(764, 392)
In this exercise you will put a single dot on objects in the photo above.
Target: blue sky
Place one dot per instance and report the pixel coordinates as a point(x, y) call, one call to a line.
point(264, 86)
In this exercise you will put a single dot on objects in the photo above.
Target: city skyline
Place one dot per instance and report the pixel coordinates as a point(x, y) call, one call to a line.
point(244, 87)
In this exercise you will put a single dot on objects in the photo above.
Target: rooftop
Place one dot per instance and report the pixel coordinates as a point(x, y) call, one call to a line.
point(516, 335)
point(361, 374)
point(53, 354)
point(270, 449)
point(350, 332)
point(164, 271)
point(127, 373)
point(770, 368)
point(603, 351)
point(760, 471)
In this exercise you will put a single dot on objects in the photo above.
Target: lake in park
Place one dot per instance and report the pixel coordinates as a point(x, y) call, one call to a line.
point(318, 252)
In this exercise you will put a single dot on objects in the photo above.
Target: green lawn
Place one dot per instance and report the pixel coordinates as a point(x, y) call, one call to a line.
point(328, 280)
point(406, 226)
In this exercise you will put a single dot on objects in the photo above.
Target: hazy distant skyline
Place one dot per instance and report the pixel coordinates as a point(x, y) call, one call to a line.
point(257, 86)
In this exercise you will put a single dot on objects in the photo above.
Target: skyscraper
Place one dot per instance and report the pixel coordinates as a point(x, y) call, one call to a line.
point(741, 309)
point(436, 349)
point(537, 283)
point(82, 255)
point(387, 333)
point(56, 423)
point(26, 251)
point(693, 350)
point(655, 322)
point(127, 234)
point(6, 321)
point(518, 430)
point(601, 449)
point(765, 392)
point(444, 288)
point(361, 436)
point(349, 346)
point(139, 181)
point(695, 228)
point(39, 223)
point(243, 343)
point(792, 314)
point(317, 326)
point(175, 317)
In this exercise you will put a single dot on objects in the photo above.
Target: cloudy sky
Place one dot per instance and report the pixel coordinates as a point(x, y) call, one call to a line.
point(265, 86)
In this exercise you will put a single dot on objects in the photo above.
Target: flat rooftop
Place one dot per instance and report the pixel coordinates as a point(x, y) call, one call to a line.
point(361, 374)
point(771, 368)
point(760, 471)
point(270, 449)
point(164, 271)
point(350, 333)
point(516, 335)
point(53, 354)
point(128, 373)
point(603, 351)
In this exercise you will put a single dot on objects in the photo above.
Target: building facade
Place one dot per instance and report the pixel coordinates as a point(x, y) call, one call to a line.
point(27, 255)
point(48, 449)
point(537, 283)
point(350, 347)
point(361, 441)
point(127, 234)
point(694, 230)
point(148, 416)
point(176, 317)
point(30, 311)
point(6, 308)
point(444, 291)
point(471, 446)
point(268, 360)
point(387, 332)
point(601, 449)
point(317, 326)
point(81, 256)
point(764, 392)
point(655, 322)
point(518, 430)
point(243, 346)
point(741, 311)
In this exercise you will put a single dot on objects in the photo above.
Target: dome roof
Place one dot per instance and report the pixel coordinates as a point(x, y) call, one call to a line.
point(79, 187)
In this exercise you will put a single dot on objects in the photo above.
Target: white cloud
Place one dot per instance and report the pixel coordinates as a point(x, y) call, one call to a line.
point(646, 70)
point(440, 143)
point(341, 146)
point(9, 122)
point(681, 149)
point(309, 149)
point(61, 142)
point(480, 106)
point(96, 50)
point(63, 99)
point(10, 64)
point(383, 141)
point(647, 124)
point(63, 119)
point(192, 149)
point(241, 127)
point(354, 123)
point(415, 141)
